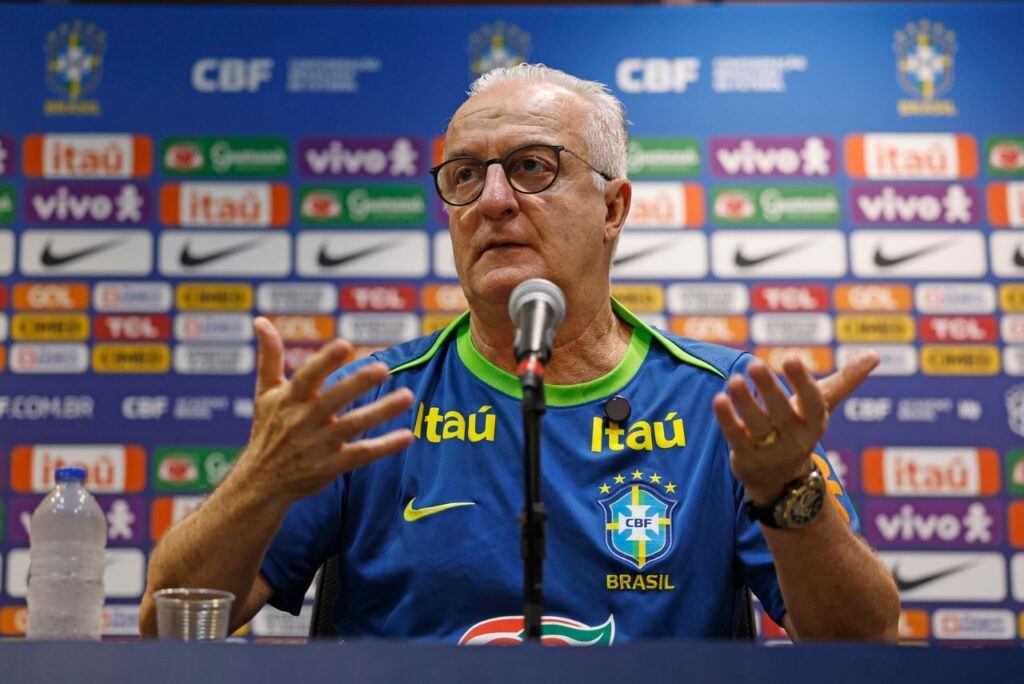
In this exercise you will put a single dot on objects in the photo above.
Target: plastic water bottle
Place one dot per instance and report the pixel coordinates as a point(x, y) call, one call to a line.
point(68, 540)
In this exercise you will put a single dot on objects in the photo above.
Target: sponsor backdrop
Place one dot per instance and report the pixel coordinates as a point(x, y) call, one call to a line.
point(808, 180)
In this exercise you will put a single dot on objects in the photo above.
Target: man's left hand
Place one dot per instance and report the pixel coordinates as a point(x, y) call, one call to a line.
point(772, 440)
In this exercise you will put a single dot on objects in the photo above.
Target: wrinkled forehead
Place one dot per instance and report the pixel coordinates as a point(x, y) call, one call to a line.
point(515, 113)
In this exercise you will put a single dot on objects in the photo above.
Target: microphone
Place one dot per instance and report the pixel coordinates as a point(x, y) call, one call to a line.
point(537, 307)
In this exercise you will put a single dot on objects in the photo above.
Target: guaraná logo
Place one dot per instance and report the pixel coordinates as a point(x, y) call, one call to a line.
point(554, 631)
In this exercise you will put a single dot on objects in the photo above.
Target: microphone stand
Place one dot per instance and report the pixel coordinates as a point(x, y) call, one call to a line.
point(534, 515)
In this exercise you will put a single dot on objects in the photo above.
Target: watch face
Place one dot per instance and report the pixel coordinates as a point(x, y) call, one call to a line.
point(804, 506)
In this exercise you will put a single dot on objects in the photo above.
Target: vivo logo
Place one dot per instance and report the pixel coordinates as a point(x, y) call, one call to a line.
point(953, 524)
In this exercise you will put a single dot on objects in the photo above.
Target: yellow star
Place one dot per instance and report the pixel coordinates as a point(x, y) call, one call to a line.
point(619, 479)
point(670, 488)
point(637, 475)
point(605, 489)
point(656, 479)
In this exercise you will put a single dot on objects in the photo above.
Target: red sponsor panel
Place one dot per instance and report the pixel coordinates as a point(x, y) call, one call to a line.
point(771, 629)
point(68, 159)
point(3, 296)
point(3, 358)
point(107, 327)
point(790, 298)
point(51, 296)
point(378, 298)
point(958, 329)
point(110, 469)
point(927, 471)
point(1016, 515)
point(296, 355)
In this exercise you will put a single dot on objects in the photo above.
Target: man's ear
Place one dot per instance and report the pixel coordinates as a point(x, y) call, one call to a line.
point(618, 194)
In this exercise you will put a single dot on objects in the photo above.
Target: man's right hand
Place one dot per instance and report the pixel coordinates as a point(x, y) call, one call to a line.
point(299, 444)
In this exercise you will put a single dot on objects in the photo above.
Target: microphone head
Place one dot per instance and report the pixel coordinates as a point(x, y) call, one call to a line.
point(537, 289)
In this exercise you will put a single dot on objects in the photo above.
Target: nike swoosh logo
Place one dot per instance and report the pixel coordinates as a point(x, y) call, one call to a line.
point(327, 261)
point(904, 584)
point(410, 514)
point(1018, 257)
point(191, 260)
point(744, 261)
point(48, 258)
point(639, 253)
point(885, 261)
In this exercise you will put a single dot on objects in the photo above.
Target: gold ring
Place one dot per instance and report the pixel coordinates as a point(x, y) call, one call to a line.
point(768, 439)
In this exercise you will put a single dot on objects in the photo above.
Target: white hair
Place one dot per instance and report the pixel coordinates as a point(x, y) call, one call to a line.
point(604, 131)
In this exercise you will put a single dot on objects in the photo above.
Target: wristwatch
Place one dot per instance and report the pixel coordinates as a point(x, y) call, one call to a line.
point(800, 503)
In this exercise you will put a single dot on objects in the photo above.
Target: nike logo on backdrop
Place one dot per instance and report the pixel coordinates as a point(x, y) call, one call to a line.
point(410, 514)
point(639, 253)
point(48, 258)
point(327, 261)
point(904, 584)
point(190, 259)
point(744, 261)
point(1018, 257)
point(883, 261)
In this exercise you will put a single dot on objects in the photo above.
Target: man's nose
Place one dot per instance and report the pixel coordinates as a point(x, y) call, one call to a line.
point(498, 198)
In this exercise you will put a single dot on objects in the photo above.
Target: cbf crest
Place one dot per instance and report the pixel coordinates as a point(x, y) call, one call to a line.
point(638, 519)
point(497, 45)
point(924, 64)
point(1015, 409)
point(74, 61)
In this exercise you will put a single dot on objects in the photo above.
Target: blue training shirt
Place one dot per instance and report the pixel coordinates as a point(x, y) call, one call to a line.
point(646, 534)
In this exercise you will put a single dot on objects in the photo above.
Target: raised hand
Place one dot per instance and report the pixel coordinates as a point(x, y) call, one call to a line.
point(772, 440)
point(298, 444)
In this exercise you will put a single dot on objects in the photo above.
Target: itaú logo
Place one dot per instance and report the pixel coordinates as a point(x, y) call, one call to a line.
point(436, 426)
point(641, 435)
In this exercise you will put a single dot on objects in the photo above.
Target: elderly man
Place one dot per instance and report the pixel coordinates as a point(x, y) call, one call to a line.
point(657, 522)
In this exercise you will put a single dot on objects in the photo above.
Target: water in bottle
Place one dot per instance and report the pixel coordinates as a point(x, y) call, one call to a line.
point(68, 539)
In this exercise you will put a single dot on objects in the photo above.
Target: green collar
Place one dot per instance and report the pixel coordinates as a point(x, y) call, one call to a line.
point(560, 395)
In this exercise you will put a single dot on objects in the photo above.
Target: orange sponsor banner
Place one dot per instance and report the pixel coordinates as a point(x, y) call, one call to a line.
point(51, 296)
point(305, 328)
point(998, 205)
point(443, 297)
point(437, 149)
point(914, 624)
point(930, 471)
point(168, 510)
point(3, 358)
point(817, 359)
point(1016, 515)
point(13, 620)
point(110, 468)
point(716, 329)
point(911, 156)
point(225, 204)
point(70, 158)
point(873, 297)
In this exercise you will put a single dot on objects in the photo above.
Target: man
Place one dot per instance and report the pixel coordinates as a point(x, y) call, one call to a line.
point(648, 535)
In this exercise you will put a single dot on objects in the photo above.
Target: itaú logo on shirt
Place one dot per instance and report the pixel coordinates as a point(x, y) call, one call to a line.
point(436, 425)
point(641, 435)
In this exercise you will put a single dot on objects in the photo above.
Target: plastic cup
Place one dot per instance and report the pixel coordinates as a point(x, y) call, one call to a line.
point(188, 614)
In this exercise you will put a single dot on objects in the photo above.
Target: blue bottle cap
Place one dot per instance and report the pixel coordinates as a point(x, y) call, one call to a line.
point(70, 474)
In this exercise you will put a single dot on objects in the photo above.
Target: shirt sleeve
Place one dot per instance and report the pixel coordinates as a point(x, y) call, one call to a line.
point(757, 569)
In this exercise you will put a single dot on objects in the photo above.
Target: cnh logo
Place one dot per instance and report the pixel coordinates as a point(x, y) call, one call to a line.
point(656, 74)
point(231, 74)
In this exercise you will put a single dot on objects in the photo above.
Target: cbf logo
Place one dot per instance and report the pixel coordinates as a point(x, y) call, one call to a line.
point(924, 66)
point(74, 60)
point(1015, 409)
point(638, 520)
point(497, 45)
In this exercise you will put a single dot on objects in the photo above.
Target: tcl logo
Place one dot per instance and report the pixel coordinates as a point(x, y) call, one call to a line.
point(790, 298)
point(958, 328)
point(137, 327)
point(656, 74)
point(378, 298)
point(231, 74)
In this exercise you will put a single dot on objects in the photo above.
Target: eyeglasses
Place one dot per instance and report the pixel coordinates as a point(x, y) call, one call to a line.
point(529, 169)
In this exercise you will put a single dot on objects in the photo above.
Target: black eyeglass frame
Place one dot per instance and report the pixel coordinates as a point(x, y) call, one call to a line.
point(557, 149)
